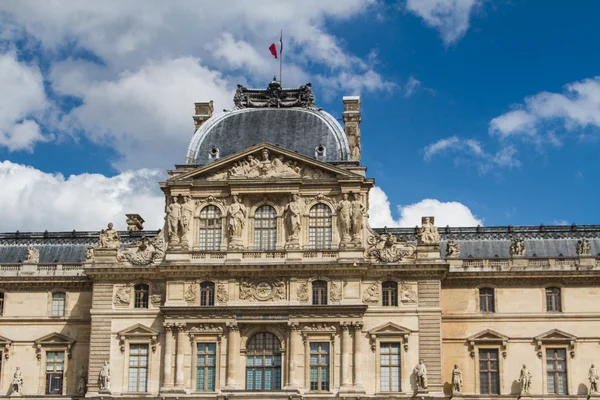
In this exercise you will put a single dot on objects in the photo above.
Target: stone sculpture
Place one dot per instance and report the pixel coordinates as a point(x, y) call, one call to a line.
point(356, 225)
point(82, 380)
point(32, 256)
point(525, 380)
point(428, 234)
point(17, 382)
point(222, 294)
point(584, 248)
point(89, 253)
point(145, 252)
point(457, 380)
point(277, 167)
point(190, 292)
point(421, 375)
point(185, 219)
point(517, 247)
point(109, 238)
point(104, 378)
point(387, 248)
point(173, 216)
point(335, 292)
point(452, 249)
point(371, 295)
point(293, 219)
point(303, 291)
point(236, 220)
point(594, 378)
point(344, 209)
point(122, 295)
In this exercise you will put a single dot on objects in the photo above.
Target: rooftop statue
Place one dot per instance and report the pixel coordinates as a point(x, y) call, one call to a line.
point(428, 233)
point(109, 238)
point(274, 96)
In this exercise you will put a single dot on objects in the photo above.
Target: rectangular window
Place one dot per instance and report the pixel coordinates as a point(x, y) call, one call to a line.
point(319, 366)
point(489, 376)
point(138, 367)
point(553, 299)
point(390, 367)
point(486, 300)
point(55, 367)
point(1, 304)
point(58, 304)
point(556, 367)
point(206, 366)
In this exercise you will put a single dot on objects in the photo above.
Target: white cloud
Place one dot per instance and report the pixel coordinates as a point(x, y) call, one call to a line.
point(411, 86)
point(39, 201)
point(450, 17)
point(576, 108)
point(22, 100)
point(446, 213)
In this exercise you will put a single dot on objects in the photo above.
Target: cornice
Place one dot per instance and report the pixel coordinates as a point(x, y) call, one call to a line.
point(265, 312)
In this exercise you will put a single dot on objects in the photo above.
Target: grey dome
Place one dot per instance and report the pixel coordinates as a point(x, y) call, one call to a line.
point(298, 129)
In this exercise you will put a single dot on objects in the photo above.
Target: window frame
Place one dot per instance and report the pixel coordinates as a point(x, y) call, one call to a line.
point(320, 227)
point(381, 366)
point(2, 302)
point(490, 300)
point(319, 367)
point(206, 334)
point(210, 231)
point(147, 367)
point(207, 288)
point(139, 290)
point(48, 376)
point(61, 311)
point(498, 372)
point(206, 366)
point(265, 228)
point(553, 299)
point(393, 290)
point(277, 352)
point(556, 372)
point(322, 287)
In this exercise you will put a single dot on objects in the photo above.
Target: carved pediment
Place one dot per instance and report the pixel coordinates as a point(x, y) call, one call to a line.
point(53, 339)
point(138, 330)
point(556, 335)
point(487, 336)
point(389, 329)
point(266, 161)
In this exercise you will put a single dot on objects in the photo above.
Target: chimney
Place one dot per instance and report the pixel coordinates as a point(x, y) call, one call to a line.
point(203, 111)
point(352, 125)
point(134, 222)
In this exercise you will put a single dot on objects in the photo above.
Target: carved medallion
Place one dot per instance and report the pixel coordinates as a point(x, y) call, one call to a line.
point(263, 290)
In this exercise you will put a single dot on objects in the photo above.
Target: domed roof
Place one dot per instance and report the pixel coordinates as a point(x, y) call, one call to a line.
point(284, 117)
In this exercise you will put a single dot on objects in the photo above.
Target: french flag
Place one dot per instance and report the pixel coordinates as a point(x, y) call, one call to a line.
point(273, 47)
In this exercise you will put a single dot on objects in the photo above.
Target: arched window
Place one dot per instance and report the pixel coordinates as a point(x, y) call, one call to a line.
point(207, 294)
point(389, 292)
point(210, 228)
point(141, 291)
point(58, 304)
point(319, 227)
point(263, 365)
point(553, 301)
point(265, 228)
point(319, 292)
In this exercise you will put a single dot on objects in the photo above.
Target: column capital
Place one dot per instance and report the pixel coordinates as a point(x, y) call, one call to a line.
point(357, 326)
point(345, 326)
point(180, 327)
point(168, 326)
point(293, 326)
point(233, 327)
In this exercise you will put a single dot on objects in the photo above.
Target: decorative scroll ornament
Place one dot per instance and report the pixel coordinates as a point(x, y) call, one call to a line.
point(122, 295)
point(145, 252)
point(371, 295)
point(205, 328)
point(452, 249)
point(303, 291)
point(517, 247)
point(263, 290)
point(222, 294)
point(387, 248)
point(428, 234)
point(584, 248)
point(319, 327)
point(32, 256)
point(109, 238)
point(274, 96)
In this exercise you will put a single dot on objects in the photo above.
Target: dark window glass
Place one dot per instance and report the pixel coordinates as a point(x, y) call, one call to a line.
point(206, 363)
point(556, 367)
point(141, 295)
point(263, 363)
point(265, 228)
point(207, 294)
point(319, 292)
point(319, 227)
point(1, 304)
point(553, 299)
point(390, 293)
point(55, 368)
point(489, 377)
point(319, 366)
point(210, 228)
point(486, 300)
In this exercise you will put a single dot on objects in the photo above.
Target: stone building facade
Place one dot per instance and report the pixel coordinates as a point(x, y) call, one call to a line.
point(268, 282)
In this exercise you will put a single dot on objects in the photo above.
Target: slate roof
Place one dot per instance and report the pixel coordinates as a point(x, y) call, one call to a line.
point(494, 242)
point(57, 247)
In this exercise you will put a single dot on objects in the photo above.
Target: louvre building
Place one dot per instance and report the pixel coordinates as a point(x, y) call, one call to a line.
point(267, 282)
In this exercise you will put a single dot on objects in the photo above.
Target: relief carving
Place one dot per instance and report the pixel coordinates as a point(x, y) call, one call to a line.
point(303, 291)
point(145, 252)
point(319, 327)
point(190, 292)
point(122, 295)
point(109, 238)
point(407, 293)
point(236, 219)
point(158, 290)
point(583, 248)
point(245, 290)
point(89, 254)
point(263, 290)
point(206, 328)
point(222, 294)
point(371, 295)
point(452, 249)
point(428, 234)
point(335, 292)
point(387, 248)
point(517, 247)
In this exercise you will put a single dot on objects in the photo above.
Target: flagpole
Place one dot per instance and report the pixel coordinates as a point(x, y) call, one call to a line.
point(281, 58)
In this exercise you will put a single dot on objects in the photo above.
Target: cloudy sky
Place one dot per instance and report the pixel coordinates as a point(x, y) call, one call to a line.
point(475, 111)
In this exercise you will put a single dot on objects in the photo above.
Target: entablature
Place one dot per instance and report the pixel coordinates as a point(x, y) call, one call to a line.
point(252, 313)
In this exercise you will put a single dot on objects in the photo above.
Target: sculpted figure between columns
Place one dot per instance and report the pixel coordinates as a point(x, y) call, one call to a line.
point(293, 221)
point(350, 217)
point(236, 219)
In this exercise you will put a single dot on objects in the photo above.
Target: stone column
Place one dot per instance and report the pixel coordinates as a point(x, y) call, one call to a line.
point(179, 375)
point(168, 360)
point(233, 354)
point(293, 328)
point(344, 369)
point(358, 354)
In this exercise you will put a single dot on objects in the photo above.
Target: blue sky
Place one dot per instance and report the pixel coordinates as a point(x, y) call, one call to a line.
point(478, 112)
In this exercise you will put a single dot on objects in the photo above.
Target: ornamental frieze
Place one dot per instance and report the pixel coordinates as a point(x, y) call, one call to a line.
point(387, 248)
point(262, 290)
